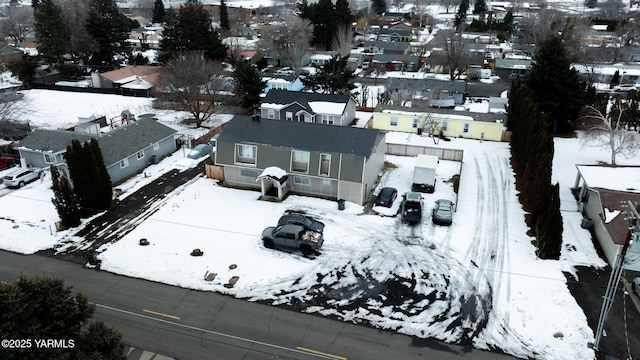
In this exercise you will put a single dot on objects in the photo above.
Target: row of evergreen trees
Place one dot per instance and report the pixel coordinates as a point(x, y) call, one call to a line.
point(532, 156)
point(89, 190)
point(547, 103)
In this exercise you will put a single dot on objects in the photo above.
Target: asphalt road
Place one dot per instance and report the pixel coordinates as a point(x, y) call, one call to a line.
point(188, 324)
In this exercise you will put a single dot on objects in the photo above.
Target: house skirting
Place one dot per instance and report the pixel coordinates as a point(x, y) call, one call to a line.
point(299, 184)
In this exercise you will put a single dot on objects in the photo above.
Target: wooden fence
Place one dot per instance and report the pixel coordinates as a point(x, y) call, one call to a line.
point(414, 150)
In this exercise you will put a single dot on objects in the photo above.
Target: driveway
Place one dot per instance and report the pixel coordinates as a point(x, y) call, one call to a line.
point(124, 216)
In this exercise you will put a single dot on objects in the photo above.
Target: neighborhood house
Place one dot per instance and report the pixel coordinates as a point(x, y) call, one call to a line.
point(126, 150)
point(330, 109)
point(336, 162)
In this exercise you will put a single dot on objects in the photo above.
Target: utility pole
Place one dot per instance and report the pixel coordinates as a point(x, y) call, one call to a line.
point(616, 272)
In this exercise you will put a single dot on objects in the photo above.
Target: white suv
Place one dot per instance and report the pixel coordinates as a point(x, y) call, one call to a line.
point(20, 177)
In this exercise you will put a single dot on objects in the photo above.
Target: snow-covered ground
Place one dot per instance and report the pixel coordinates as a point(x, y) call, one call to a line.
point(476, 282)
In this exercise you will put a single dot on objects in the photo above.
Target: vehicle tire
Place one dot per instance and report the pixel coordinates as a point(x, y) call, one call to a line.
point(306, 250)
point(268, 243)
point(21, 184)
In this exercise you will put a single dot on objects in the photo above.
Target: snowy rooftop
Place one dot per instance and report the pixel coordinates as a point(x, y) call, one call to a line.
point(612, 178)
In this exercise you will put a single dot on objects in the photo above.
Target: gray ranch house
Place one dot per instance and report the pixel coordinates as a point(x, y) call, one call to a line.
point(310, 107)
point(335, 162)
point(126, 150)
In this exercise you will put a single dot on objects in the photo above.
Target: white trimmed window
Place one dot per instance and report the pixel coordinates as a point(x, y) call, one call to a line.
point(415, 123)
point(50, 158)
point(328, 119)
point(124, 163)
point(271, 114)
point(444, 126)
point(289, 116)
point(300, 161)
point(140, 155)
point(301, 180)
point(246, 154)
point(325, 164)
point(393, 121)
point(156, 146)
point(465, 129)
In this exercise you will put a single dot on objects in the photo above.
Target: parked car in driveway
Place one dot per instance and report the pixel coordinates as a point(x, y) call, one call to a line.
point(5, 162)
point(411, 207)
point(443, 212)
point(303, 220)
point(290, 236)
point(386, 196)
point(22, 176)
point(200, 151)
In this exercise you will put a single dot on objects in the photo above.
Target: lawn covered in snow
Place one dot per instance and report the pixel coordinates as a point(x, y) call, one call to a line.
point(476, 282)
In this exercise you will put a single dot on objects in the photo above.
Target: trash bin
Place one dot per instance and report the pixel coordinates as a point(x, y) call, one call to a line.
point(154, 159)
point(587, 223)
point(340, 204)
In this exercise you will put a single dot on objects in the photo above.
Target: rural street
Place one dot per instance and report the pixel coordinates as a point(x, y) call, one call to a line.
point(188, 324)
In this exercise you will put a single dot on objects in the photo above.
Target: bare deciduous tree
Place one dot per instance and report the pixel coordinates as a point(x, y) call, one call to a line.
point(76, 13)
point(288, 40)
point(530, 31)
point(455, 56)
point(434, 130)
point(11, 112)
point(609, 131)
point(343, 41)
point(17, 23)
point(194, 84)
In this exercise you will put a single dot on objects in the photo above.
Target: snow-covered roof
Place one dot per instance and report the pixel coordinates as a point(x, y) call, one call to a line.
point(611, 178)
point(324, 107)
point(272, 172)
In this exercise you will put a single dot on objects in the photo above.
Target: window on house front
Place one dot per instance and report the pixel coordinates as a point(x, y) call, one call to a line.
point(50, 158)
point(301, 180)
point(289, 115)
point(300, 161)
point(271, 114)
point(246, 154)
point(415, 123)
point(325, 164)
point(444, 126)
point(249, 173)
point(327, 119)
point(156, 146)
point(140, 155)
point(279, 86)
point(393, 121)
point(124, 163)
point(465, 129)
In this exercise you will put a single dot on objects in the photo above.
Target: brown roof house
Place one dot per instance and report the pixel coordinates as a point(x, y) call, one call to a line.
point(604, 193)
point(140, 77)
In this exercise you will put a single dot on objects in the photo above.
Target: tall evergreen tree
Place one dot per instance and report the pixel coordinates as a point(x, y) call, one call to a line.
point(379, 7)
point(43, 308)
point(91, 181)
point(224, 16)
point(344, 16)
point(102, 185)
point(189, 29)
point(52, 33)
point(334, 78)
point(64, 199)
point(555, 84)
point(248, 83)
point(461, 15)
point(324, 19)
point(78, 163)
point(158, 12)
point(110, 29)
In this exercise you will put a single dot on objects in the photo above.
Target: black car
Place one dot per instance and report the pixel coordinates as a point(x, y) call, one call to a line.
point(303, 220)
point(386, 197)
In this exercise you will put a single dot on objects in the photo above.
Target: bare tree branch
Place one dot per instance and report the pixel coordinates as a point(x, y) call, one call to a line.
point(609, 132)
point(193, 83)
point(17, 23)
point(288, 40)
